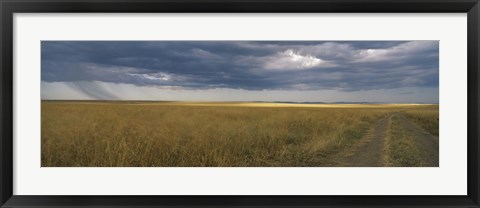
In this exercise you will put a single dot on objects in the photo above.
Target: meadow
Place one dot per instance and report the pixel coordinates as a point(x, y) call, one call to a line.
point(182, 134)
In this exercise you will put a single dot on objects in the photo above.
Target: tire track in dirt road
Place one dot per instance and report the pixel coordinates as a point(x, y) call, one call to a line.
point(369, 150)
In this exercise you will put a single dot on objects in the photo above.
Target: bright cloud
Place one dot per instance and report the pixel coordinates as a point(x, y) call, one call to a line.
point(159, 76)
point(291, 60)
point(399, 52)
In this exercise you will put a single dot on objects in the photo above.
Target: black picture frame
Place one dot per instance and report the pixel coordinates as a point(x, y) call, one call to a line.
point(9, 7)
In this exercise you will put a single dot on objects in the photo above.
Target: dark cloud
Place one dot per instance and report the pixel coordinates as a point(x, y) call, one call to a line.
point(252, 65)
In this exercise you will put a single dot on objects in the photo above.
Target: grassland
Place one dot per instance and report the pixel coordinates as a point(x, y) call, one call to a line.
point(426, 118)
point(176, 134)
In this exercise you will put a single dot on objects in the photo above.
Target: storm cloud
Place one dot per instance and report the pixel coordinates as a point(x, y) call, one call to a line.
point(344, 66)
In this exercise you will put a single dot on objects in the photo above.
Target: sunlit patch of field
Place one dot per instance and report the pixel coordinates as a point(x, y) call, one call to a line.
point(199, 134)
point(245, 104)
point(298, 105)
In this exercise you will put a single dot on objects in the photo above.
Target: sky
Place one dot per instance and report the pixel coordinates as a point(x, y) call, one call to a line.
point(290, 71)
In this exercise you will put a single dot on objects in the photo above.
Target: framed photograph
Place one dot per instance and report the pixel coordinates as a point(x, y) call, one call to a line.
point(268, 103)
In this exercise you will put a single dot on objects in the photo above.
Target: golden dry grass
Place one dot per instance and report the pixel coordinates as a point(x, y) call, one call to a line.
point(171, 134)
point(427, 118)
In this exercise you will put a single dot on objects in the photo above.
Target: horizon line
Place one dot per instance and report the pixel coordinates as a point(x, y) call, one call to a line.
point(286, 102)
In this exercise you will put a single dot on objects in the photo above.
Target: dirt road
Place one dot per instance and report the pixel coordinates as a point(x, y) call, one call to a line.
point(370, 150)
point(426, 143)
